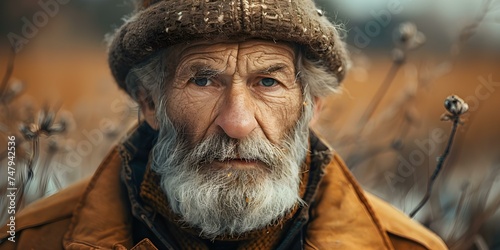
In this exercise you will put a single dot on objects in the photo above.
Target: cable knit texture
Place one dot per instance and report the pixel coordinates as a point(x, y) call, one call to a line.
point(159, 24)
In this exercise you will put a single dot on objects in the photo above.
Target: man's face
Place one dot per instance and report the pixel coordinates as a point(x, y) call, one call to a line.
point(236, 89)
point(233, 136)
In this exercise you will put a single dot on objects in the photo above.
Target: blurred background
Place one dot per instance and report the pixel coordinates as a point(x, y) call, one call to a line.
point(407, 57)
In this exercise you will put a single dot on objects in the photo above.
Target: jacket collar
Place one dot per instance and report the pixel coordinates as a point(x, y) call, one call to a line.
point(102, 218)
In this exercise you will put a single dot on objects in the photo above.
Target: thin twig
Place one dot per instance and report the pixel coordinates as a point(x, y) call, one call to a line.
point(439, 166)
point(25, 183)
point(33, 158)
point(46, 171)
point(377, 98)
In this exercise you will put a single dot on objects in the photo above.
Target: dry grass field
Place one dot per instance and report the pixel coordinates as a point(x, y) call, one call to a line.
point(392, 154)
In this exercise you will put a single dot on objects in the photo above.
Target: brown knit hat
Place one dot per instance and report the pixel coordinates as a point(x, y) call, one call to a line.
point(161, 23)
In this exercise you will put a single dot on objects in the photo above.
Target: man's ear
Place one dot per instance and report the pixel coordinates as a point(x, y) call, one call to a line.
point(148, 109)
point(318, 105)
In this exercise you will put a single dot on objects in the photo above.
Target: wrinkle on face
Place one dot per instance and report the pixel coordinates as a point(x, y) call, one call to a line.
point(236, 89)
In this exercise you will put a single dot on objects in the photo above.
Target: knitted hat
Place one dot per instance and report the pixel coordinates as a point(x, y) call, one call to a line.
point(161, 23)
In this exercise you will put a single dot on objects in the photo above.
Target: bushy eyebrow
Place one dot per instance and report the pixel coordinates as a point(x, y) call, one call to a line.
point(272, 69)
point(204, 71)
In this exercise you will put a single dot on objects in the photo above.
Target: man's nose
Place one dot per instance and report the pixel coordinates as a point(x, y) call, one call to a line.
point(237, 113)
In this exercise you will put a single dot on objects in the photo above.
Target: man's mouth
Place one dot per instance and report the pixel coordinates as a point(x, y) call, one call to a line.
point(238, 163)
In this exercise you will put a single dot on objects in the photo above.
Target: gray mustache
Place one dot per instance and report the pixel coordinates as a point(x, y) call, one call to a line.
point(221, 147)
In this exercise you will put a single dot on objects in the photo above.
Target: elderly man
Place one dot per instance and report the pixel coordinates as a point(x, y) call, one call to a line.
point(225, 158)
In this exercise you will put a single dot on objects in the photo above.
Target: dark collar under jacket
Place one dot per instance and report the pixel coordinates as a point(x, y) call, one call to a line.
point(95, 213)
point(147, 222)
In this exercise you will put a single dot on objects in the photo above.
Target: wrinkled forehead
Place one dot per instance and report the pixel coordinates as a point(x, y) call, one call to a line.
point(218, 51)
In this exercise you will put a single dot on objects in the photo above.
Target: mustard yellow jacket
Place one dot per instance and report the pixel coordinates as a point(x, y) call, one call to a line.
point(93, 214)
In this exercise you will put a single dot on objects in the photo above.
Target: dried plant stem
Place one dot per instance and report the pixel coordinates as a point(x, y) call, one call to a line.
point(377, 98)
point(439, 166)
point(33, 157)
point(25, 183)
point(45, 173)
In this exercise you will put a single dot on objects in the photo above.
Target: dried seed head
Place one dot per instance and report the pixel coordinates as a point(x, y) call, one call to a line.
point(27, 131)
point(45, 125)
point(13, 91)
point(407, 31)
point(456, 105)
point(408, 36)
point(45, 119)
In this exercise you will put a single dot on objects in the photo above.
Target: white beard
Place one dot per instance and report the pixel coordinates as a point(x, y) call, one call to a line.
point(227, 201)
